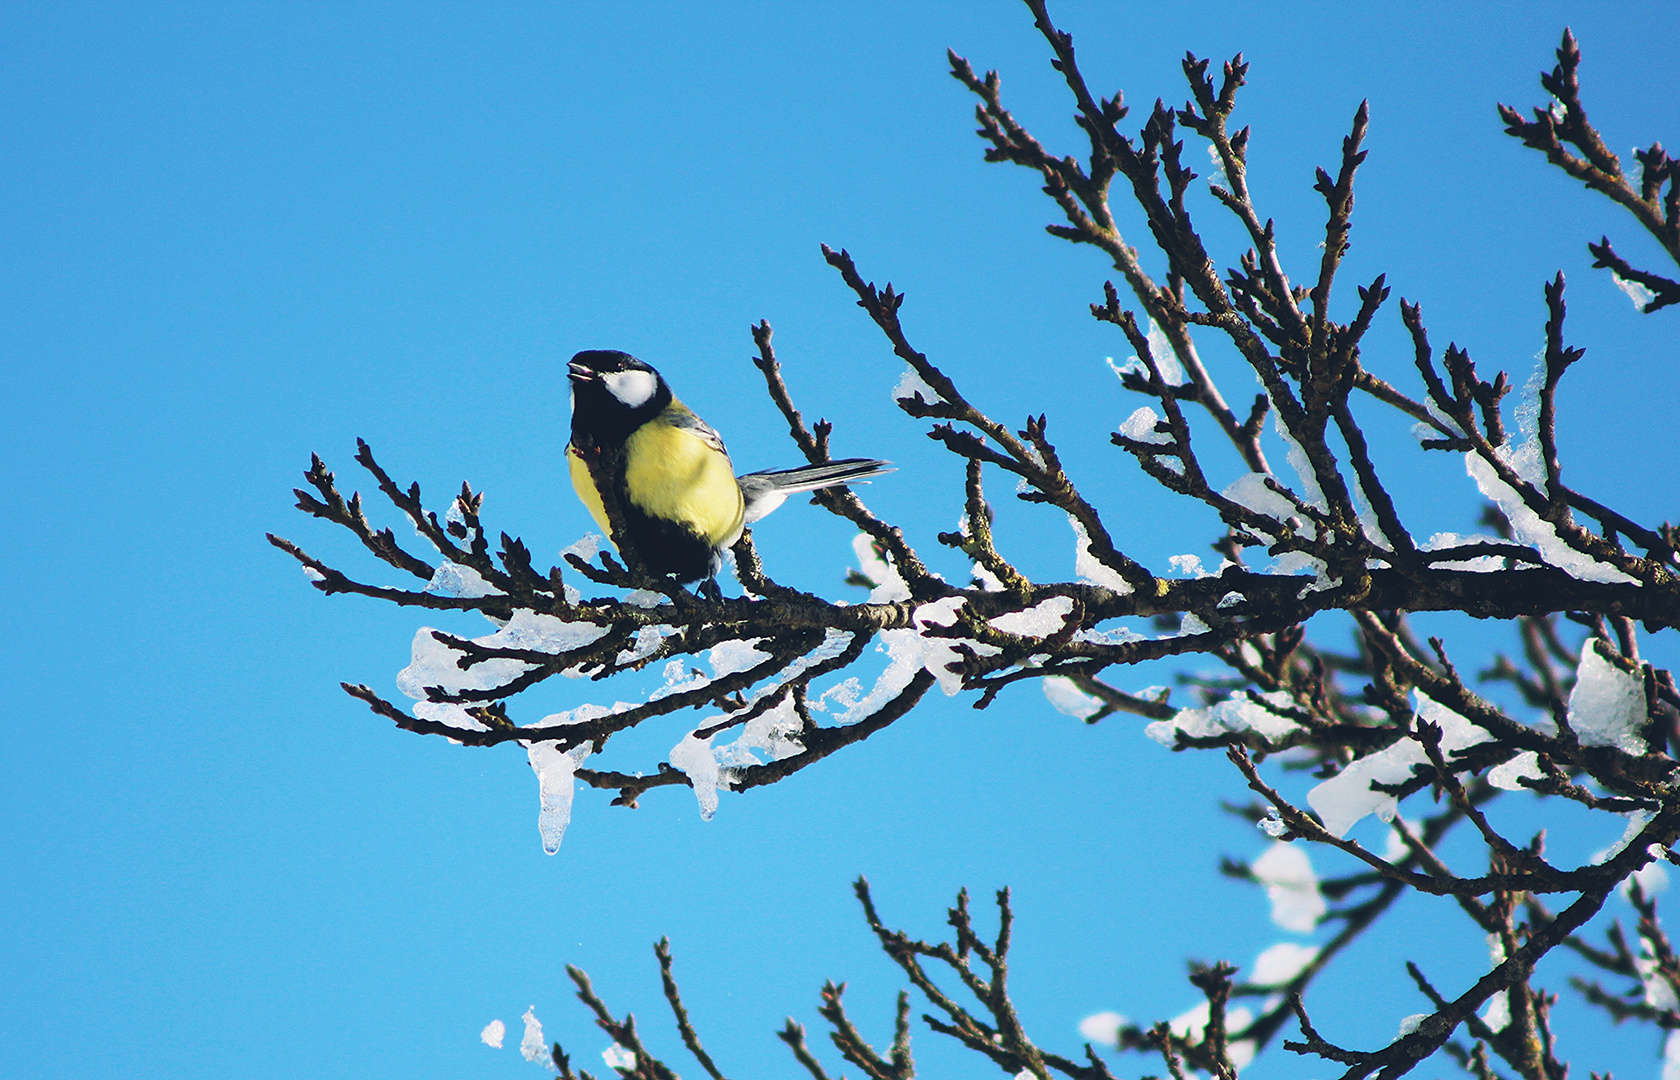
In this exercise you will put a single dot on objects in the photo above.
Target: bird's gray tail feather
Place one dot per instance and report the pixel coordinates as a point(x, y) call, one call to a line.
point(812, 477)
point(764, 491)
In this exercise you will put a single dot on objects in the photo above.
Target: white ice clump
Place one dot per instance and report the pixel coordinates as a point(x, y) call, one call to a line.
point(1033, 456)
point(834, 643)
point(987, 580)
point(1250, 490)
point(313, 574)
point(694, 758)
point(1237, 713)
point(904, 653)
point(1652, 878)
point(585, 547)
point(1345, 798)
point(1508, 776)
point(448, 713)
point(1218, 176)
point(1607, 705)
point(453, 579)
point(1132, 363)
point(1291, 886)
point(1160, 348)
point(1191, 1025)
point(1091, 569)
point(1188, 565)
point(1527, 526)
point(1297, 456)
point(679, 679)
point(844, 695)
point(1061, 692)
point(1190, 624)
point(1103, 1028)
point(1140, 427)
point(1272, 824)
point(889, 585)
point(433, 663)
point(1633, 290)
point(773, 733)
point(939, 653)
point(1192, 1028)
point(1368, 523)
point(910, 384)
point(492, 1034)
point(909, 650)
point(1424, 432)
point(646, 599)
point(1409, 1024)
point(1636, 822)
point(1118, 635)
point(1481, 564)
point(1039, 621)
point(1497, 1015)
point(457, 515)
point(1281, 963)
point(544, 633)
point(555, 769)
point(1671, 1056)
point(1291, 563)
point(1659, 992)
point(1395, 848)
point(532, 1046)
point(619, 1057)
point(731, 657)
point(648, 640)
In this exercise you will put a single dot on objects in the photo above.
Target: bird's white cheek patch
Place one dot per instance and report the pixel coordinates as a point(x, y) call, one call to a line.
point(632, 388)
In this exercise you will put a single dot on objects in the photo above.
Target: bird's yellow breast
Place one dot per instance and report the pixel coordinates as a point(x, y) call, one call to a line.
point(673, 475)
point(584, 485)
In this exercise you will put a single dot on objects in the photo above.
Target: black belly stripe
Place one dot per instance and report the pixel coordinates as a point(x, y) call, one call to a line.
point(668, 548)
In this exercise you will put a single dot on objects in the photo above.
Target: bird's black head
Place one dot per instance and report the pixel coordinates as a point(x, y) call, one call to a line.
point(613, 394)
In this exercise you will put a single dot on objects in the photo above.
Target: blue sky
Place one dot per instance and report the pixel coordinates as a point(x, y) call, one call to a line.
point(232, 235)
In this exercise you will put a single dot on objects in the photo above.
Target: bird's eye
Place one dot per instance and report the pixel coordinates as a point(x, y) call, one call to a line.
point(632, 388)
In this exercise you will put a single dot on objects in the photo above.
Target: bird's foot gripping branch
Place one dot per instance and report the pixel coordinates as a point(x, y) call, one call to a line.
point(1577, 714)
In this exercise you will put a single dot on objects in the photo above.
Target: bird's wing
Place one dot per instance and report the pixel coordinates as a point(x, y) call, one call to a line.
point(680, 416)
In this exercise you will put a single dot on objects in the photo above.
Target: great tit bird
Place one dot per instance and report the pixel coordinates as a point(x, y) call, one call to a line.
point(681, 501)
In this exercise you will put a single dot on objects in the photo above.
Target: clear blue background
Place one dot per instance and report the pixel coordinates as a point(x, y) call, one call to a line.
point(230, 235)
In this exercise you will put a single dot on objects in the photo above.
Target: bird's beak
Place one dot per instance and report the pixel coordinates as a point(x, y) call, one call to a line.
point(580, 373)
